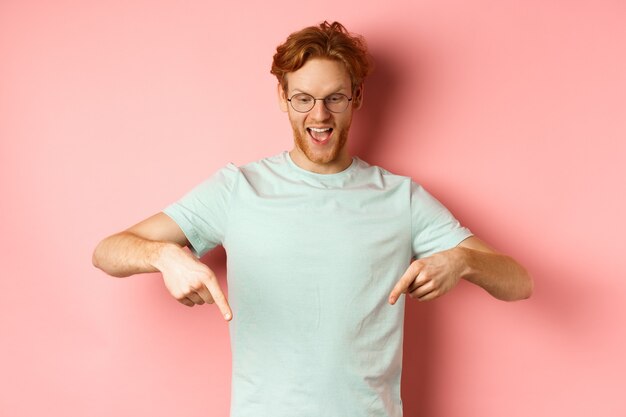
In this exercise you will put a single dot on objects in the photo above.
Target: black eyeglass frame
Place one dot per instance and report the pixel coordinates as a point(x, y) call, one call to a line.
point(322, 99)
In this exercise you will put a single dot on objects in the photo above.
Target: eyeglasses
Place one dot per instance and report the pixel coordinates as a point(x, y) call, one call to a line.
point(335, 103)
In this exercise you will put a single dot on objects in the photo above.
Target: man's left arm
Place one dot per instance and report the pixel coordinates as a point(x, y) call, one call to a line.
point(472, 260)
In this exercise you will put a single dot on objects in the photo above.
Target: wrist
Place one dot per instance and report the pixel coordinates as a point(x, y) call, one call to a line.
point(160, 253)
point(465, 257)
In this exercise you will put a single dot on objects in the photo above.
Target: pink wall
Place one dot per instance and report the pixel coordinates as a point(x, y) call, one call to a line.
point(512, 113)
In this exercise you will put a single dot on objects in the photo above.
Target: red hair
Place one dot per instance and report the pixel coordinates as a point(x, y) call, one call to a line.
point(328, 40)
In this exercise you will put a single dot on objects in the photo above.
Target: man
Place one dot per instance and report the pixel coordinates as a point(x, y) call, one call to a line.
point(319, 248)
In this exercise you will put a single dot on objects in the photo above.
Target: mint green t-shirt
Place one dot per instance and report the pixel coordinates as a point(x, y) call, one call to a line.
point(311, 260)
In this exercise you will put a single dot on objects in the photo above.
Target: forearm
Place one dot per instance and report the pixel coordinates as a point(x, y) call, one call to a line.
point(500, 275)
point(125, 254)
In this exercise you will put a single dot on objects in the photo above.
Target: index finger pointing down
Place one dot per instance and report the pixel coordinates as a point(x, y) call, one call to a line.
point(219, 298)
point(404, 282)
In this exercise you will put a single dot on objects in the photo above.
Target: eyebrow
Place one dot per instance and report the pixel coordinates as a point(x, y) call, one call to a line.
point(336, 90)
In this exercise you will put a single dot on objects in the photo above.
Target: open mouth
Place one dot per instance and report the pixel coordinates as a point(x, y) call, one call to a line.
point(320, 135)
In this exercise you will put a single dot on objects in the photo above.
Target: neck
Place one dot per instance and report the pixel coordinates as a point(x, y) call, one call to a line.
point(342, 162)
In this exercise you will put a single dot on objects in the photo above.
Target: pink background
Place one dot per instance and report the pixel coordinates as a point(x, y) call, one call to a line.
point(512, 113)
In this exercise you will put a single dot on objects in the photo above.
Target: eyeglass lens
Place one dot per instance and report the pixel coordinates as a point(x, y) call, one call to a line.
point(303, 102)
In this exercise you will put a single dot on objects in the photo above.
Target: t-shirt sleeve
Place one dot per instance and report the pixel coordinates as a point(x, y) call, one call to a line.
point(202, 213)
point(433, 227)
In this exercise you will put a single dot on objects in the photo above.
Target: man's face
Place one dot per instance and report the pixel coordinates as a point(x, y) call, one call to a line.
point(320, 135)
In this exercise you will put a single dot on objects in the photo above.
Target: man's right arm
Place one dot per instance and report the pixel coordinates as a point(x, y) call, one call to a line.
point(136, 249)
point(156, 244)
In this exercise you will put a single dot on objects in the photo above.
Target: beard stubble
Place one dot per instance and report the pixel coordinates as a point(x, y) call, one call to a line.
point(302, 142)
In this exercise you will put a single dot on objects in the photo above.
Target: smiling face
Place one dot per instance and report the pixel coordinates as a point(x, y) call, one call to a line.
point(320, 136)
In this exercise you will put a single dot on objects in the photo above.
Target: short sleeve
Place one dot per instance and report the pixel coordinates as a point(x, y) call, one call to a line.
point(433, 227)
point(202, 213)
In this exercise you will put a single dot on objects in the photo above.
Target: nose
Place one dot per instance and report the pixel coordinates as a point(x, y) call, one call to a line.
point(319, 111)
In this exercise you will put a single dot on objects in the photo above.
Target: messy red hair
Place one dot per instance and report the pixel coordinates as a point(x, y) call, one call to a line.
point(328, 40)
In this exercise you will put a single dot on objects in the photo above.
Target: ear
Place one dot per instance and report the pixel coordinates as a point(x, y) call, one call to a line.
point(282, 98)
point(357, 97)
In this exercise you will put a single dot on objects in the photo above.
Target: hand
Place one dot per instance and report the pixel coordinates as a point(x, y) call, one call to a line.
point(190, 281)
point(431, 277)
